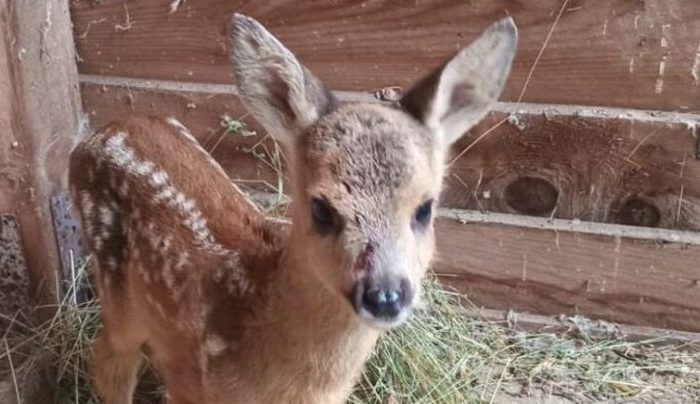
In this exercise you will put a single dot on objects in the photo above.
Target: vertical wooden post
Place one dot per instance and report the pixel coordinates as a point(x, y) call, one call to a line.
point(40, 116)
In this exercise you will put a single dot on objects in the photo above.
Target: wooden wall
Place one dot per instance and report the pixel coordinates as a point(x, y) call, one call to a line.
point(605, 131)
point(40, 115)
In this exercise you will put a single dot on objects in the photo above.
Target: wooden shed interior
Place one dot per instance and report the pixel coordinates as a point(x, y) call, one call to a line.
point(578, 194)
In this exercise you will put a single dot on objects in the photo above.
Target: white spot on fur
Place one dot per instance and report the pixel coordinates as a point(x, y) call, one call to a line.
point(98, 242)
point(112, 263)
point(200, 225)
point(214, 345)
point(105, 233)
point(144, 168)
point(124, 189)
point(159, 178)
point(235, 277)
point(106, 216)
point(120, 153)
point(166, 242)
point(154, 239)
point(88, 209)
point(168, 277)
point(165, 194)
point(180, 200)
point(151, 227)
point(182, 260)
point(188, 206)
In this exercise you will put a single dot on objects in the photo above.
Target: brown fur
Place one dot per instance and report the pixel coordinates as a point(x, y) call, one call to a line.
point(229, 307)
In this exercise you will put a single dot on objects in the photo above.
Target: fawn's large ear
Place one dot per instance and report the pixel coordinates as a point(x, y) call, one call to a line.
point(280, 93)
point(457, 95)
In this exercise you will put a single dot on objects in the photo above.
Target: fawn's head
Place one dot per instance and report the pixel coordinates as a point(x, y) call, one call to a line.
point(366, 176)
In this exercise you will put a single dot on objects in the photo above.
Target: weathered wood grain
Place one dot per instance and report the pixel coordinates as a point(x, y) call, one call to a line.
point(39, 117)
point(636, 53)
point(202, 113)
point(549, 272)
point(607, 169)
point(616, 170)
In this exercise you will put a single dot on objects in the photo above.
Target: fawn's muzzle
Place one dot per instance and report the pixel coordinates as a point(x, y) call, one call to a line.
point(384, 303)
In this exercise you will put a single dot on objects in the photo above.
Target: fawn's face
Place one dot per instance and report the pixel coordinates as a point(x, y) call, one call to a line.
point(367, 177)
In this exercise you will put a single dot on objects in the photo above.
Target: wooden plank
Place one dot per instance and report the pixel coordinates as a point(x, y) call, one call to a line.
point(553, 272)
point(566, 163)
point(39, 118)
point(559, 164)
point(202, 113)
point(12, 167)
point(642, 54)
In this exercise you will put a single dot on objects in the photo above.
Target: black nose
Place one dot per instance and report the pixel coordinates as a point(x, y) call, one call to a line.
point(382, 302)
point(385, 301)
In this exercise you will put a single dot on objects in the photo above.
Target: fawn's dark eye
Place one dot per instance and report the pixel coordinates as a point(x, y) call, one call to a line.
point(422, 215)
point(324, 216)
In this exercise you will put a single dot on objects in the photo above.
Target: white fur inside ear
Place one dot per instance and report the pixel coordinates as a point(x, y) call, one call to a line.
point(274, 86)
point(474, 79)
point(458, 96)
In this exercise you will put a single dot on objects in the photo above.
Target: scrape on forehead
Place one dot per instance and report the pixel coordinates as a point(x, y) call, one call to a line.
point(367, 147)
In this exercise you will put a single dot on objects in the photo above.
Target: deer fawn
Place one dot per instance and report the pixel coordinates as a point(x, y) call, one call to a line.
point(231, 308)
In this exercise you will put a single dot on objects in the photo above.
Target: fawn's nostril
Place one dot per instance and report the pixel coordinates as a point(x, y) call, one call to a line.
point(387, 296)
point(385, 303)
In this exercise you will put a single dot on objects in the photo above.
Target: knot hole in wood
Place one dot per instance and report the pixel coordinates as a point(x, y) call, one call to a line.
point(531, 196)
point(638, 212)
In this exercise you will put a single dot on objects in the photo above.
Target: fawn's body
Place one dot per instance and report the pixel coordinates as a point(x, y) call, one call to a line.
point(230, 307)
point(176, 310)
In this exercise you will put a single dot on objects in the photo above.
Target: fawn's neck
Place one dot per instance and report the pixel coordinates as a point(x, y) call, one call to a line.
point(315, 330)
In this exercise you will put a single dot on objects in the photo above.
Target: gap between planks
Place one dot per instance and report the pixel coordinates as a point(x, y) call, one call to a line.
point(690, 119)
point(572, 226)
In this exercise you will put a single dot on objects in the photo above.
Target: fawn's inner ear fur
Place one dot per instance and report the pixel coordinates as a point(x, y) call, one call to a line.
point(456, 96)
point(274, 86)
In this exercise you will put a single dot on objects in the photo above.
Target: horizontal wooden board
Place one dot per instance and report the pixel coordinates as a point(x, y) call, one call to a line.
point(606, 169)
point(642, 54)
point(560, 164)
point(202, 114)
point(553, 272)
